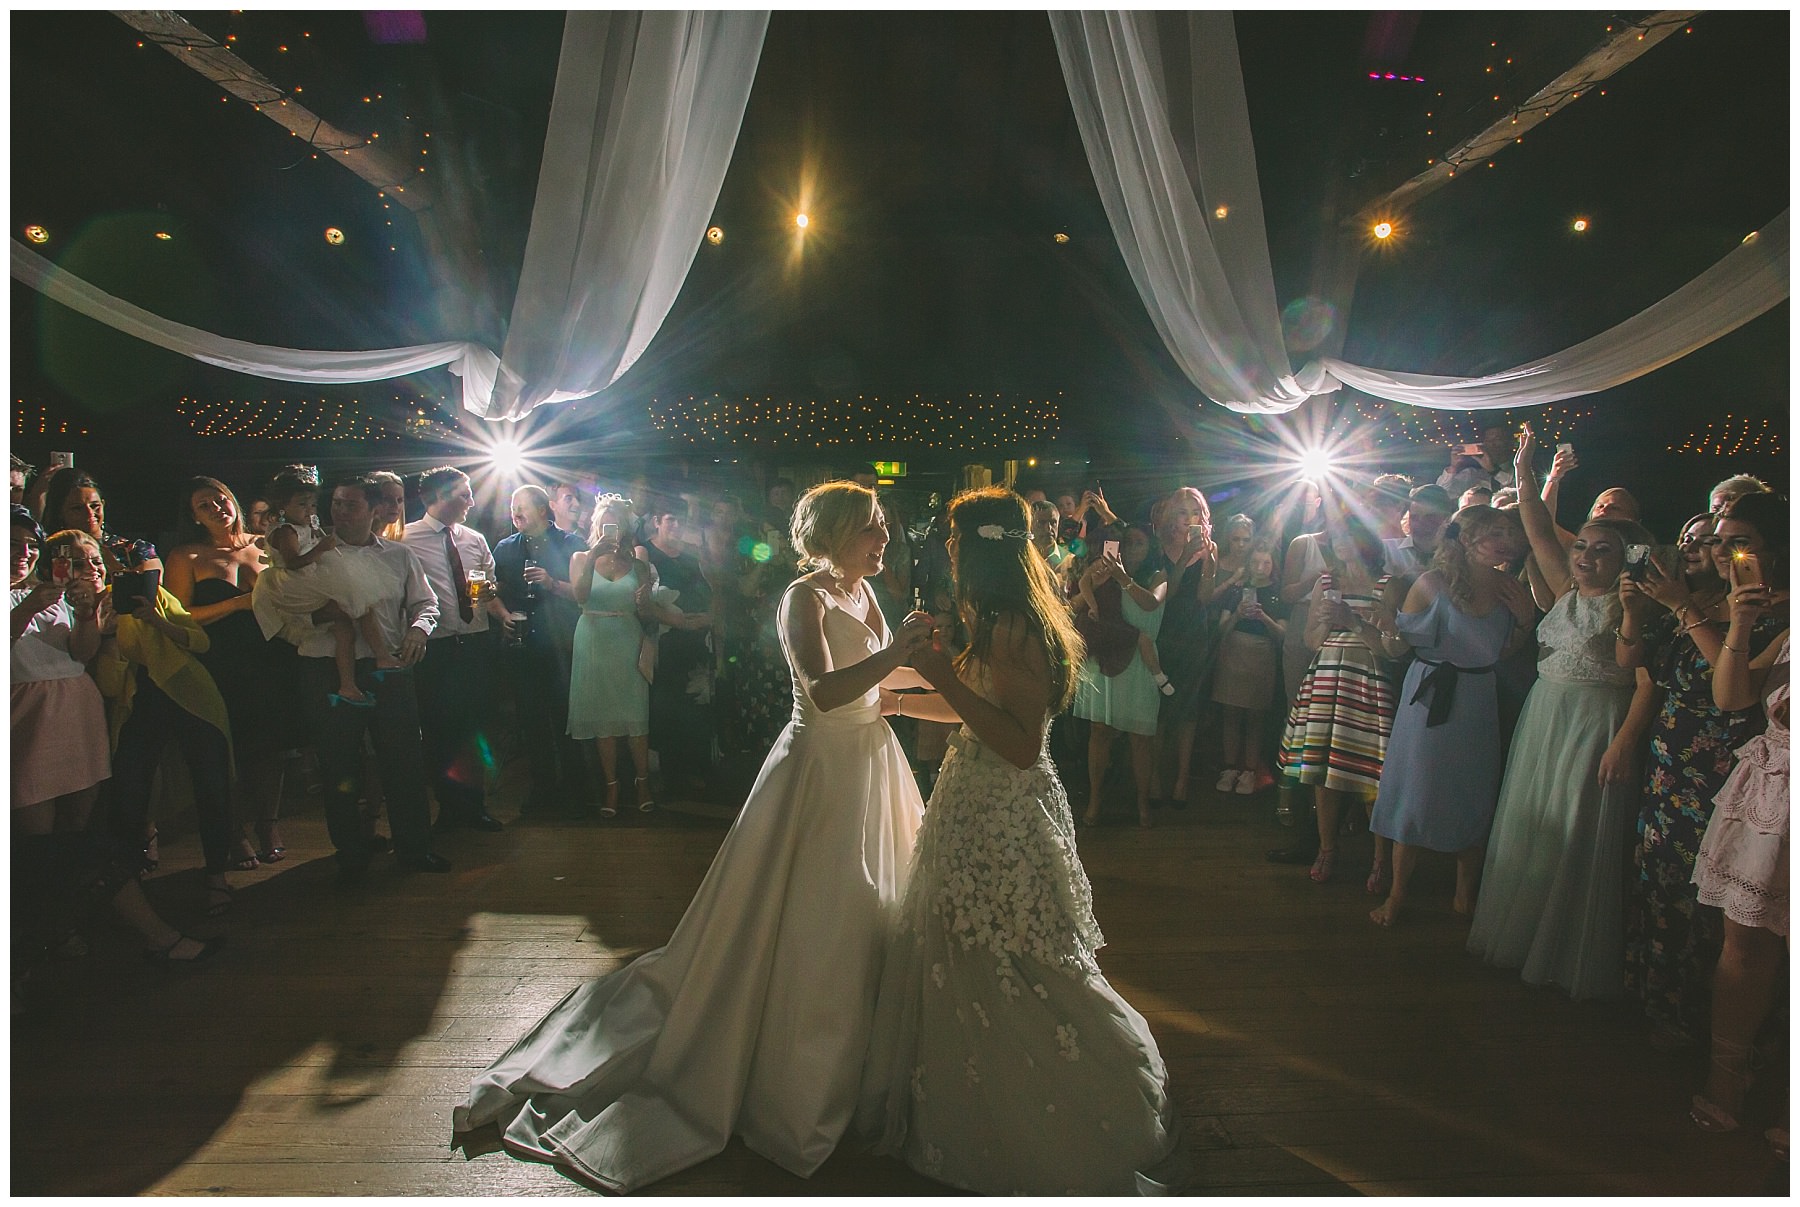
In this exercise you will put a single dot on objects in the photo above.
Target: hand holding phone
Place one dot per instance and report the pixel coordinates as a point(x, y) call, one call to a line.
point(1637, 562)
point(1109, 549)
point(1746, 569)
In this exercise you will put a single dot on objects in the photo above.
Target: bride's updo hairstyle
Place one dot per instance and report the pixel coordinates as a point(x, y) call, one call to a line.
point(998, 571)
point(825, 519)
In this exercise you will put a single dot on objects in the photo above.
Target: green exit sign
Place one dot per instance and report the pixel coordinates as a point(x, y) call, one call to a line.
point(890, 469)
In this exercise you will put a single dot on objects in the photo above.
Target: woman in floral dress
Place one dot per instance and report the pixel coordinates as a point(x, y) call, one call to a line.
point(1674, 623)
point(1000, 1060)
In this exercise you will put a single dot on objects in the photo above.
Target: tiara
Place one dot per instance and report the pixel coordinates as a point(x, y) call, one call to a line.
point(993, 532)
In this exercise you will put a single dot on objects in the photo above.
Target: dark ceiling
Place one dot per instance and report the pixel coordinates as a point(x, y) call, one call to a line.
point(944, 156)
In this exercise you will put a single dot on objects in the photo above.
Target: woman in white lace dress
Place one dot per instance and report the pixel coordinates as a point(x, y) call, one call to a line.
point(1000, 1060)
point(1552, 898)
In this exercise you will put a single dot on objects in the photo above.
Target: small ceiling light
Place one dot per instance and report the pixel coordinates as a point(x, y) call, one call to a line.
point(1221, 212)
point(1580, 224)
point(715, 235)
point(333, 236)
point(1383, 229)
point(801, 221)
point(37, 234)
point(164, 235)
point(1060, 237)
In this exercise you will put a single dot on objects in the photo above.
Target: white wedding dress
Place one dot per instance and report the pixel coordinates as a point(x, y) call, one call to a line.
point(1001, 1061)
point(754, 1018)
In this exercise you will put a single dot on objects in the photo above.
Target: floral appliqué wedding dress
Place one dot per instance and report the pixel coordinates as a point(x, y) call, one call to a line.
point(1001, 1060)
point(754, 1019)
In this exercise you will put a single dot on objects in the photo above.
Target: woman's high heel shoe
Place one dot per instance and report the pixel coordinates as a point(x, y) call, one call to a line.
point(639, 787)
point(611, 807)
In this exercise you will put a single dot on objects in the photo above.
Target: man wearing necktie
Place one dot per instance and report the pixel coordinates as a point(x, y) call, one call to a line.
point(456, 676)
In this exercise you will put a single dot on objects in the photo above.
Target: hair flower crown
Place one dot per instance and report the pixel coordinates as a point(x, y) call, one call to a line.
point(993, 532)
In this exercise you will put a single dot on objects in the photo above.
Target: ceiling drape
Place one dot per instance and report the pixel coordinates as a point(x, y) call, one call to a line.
point(1159, 101)
point(646, 114)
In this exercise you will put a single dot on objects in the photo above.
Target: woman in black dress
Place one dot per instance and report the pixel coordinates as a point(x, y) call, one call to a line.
point(211, 572)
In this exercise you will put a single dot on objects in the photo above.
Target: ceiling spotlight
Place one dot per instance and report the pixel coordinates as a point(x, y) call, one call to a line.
point(164, 235)
point(1579, 225)
point(1383, 230)
point(1060, 237)
point(333, 235)
point(37, 234)
point(801, 221)
point(1221, 212)
point(715, 235)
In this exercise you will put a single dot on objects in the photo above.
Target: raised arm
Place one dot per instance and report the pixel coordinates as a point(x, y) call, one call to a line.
point(1540, 524)
point(1737, 677)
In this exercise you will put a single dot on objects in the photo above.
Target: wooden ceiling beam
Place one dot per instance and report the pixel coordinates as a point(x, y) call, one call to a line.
point(198, 52)
point(1624, 45)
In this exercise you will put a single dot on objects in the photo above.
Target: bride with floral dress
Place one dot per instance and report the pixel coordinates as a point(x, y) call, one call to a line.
point(1001, 1061)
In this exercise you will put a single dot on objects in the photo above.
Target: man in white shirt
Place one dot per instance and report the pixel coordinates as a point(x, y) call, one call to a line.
point(456, 677)
point(1428, 507)
point(406, 616)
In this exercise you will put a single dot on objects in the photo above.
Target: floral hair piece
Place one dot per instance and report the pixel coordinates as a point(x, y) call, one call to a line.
point(993, 532)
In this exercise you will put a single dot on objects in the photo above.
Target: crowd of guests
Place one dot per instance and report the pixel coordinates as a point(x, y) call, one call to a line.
point(1592, 725)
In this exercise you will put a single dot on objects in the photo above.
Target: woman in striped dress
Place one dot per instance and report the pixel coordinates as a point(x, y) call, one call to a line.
point(1337, 729)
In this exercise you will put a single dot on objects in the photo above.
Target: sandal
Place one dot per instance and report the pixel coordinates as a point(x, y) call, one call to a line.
point(1732, 1064)
point(162, 955)
point(218, 900)
point(273, 851)
point(248, 860)
point(1379, 876)
point(645, 804)
point(1321, 868)
point(151, 852)
point(610, 808)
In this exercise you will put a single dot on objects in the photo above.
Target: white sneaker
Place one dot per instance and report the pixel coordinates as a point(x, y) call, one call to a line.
point(1227, 780)
point(1246, 783)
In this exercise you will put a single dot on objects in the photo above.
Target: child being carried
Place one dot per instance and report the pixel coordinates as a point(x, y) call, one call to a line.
point(304, 577)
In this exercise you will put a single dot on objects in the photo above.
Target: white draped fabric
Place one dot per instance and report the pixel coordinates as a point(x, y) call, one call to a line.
point(1159, 100)
point(473, 363)
point(647, 111)
point(645, 118)
point(646, 114)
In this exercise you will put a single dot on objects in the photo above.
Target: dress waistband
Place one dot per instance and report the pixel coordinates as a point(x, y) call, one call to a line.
point(1438, 688)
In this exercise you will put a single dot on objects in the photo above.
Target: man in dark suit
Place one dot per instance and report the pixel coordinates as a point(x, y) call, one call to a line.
point(532, 568)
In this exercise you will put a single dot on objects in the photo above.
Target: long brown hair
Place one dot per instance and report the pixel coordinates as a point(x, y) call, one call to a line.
point(1002, 572)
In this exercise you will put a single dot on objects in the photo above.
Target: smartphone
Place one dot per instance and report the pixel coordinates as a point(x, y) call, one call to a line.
point(60, 460)
point(1565, 447)
point(1746, 569)
point(1470, 450)
point(1109, 549)
point(133, 587)
point(1637, 562)
point(609, 532)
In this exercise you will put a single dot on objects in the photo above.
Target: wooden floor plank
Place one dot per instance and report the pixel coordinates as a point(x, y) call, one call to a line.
point(1309, 1052)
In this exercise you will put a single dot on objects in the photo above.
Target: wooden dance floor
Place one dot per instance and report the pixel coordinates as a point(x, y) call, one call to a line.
point(1310, 1052)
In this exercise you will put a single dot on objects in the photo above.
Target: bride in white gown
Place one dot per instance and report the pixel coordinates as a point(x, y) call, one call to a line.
point(1001, 1061)
point(754, 1019)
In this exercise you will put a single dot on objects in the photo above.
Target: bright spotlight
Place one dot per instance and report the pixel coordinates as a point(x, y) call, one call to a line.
point(1580, 224)
point(506, 457)
point(1222, 212)
point(37, 234)
point(1315, 463)
point(1383, 230)
point(801, 221)
point(715, 235)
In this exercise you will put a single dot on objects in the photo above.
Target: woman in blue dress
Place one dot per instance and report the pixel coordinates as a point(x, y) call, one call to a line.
point(1442, 770)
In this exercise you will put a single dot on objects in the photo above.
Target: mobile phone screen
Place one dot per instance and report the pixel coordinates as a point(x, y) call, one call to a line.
point(1110, 548)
